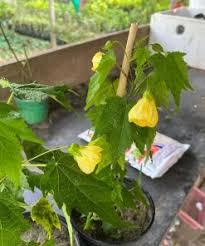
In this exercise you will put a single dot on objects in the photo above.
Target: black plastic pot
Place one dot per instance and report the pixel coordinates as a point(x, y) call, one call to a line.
point(87, 240)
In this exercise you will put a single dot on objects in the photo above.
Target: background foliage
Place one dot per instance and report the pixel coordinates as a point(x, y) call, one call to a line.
point(30, 17)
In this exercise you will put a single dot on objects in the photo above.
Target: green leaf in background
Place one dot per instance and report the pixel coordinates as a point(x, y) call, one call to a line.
point(12, 222)
point(18, 127)
point(12, 130)
point(49, 243)
point(37, 92)
point(100, 87)
point(6, 109)
point(111, 120)
point(4, 83)
point(143, 137)
point(31, 244)
point(159, 90)
point(172, 69)
point(43, 214)
point(58, 93)
point(138, 193)
point(141, 56)
point(157, 48)
point(106, 153)
point(10, 156)
point(77, 190)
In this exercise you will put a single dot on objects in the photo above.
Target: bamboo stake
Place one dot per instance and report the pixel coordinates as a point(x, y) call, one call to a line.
point(121, 90)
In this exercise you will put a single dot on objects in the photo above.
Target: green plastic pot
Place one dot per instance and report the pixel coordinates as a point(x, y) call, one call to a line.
point(33, 112)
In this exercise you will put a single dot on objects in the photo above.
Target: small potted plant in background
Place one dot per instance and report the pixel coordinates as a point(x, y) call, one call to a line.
point(32, 99)
point(30, 96)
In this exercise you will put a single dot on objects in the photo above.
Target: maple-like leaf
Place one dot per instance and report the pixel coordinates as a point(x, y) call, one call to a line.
point(43, 214)
point(111, 120)
point(172, 69)
point(12, 131)
point(69, 185)
point(100, 87)
point(12, 222)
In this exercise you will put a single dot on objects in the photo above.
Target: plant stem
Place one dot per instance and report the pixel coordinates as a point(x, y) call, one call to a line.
point(34, 165)
point(1, 180)
point(10, 98)
point(88, 222)
point(12, 51)
point(44, 153)
point(69, 225)
point(28, 64)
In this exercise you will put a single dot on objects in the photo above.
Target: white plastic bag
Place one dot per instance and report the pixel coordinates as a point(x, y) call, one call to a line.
point(165, 153)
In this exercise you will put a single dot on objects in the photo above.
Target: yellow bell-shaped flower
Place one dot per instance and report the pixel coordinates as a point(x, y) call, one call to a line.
point(96, 60)
point(88, 158)
point(144, 113)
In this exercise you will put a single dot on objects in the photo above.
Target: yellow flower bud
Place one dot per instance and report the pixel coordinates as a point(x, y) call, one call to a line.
point(96, 60)
point(88, 158)
point(144, 113)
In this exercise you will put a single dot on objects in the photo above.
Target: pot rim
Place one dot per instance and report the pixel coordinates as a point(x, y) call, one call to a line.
point(30, 101)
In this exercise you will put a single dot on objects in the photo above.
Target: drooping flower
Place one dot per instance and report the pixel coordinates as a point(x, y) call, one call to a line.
point(144, 113)
point(96, 60)
point(88, 158)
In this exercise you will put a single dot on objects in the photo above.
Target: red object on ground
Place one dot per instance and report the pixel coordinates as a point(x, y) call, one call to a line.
point(177, 5)
point(191, 215)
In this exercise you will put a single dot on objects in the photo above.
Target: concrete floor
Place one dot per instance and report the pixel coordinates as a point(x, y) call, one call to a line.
point(168, 192)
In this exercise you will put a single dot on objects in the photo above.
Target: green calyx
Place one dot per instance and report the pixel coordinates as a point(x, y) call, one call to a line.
point(147, 94)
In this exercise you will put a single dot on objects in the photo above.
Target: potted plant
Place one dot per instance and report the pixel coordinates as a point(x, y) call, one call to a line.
point(30, 96)
point(32, 99)
point(89, 182)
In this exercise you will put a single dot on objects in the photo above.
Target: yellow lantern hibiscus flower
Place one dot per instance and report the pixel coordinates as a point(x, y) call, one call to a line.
point(88, 158)
point(96, 60)
point(144, 112)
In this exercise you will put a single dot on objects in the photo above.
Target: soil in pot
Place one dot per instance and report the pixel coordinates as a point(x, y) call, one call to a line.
point(37, 234)
point(141, 217)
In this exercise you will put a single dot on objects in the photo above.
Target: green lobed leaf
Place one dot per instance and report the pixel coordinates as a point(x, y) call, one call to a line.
point(58, 93)
point(111, 121)
point(10, 156)
point(157, 48)
point(6, 109)
point(143, 137)
point(49, 243)
point(83, 192)
point(43, 214)
point(172, 69)
point(159, 90)
point(139, 194)
point(141, 56)
point(19, 128)
point(12, 131)
point(106, 153)
point(100, 87)
point(12, 222)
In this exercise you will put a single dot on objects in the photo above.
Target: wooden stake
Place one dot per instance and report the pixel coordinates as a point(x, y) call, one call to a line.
point(121, 91)
point(52, 23)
